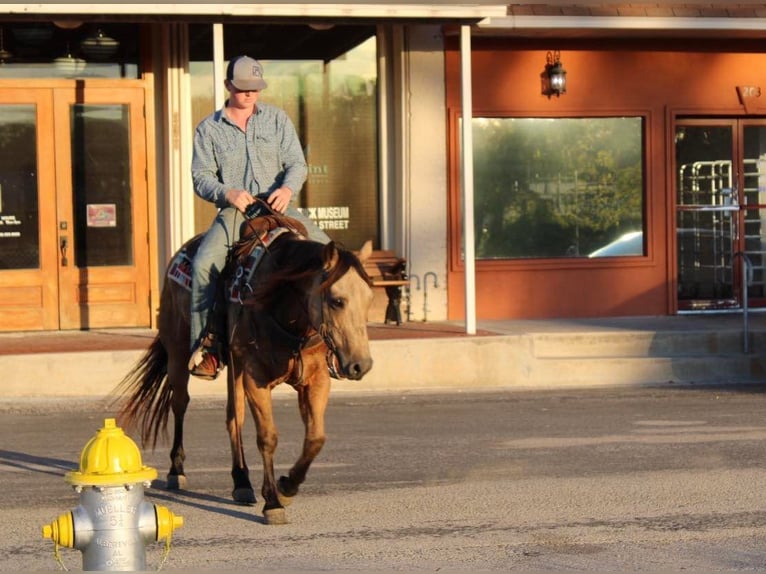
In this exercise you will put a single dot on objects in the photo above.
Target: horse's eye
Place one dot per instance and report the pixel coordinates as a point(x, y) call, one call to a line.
point(337, 303)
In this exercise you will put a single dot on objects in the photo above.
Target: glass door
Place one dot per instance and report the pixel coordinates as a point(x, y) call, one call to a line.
point(753, 206)
point(720, 192)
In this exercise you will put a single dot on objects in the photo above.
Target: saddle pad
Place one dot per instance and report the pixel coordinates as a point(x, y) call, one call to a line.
point(246, 268)
point(180, 270)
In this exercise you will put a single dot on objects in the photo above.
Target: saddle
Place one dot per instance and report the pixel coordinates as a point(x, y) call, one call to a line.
point(255, 234)
point(254, 231)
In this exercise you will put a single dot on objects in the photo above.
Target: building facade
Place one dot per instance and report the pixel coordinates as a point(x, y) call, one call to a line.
point(635, 192)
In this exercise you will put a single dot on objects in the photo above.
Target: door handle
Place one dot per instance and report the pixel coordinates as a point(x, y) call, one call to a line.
point(63, 244)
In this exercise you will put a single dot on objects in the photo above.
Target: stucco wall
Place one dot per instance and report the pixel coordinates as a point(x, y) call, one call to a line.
point(659, 81)
point(425, 191)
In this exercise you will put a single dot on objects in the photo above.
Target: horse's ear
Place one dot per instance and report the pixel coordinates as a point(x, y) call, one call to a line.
point(330, 255)
point(364, 253)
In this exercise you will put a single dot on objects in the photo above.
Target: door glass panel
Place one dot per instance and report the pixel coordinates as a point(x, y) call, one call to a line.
point(755, 206)
point(706, 226)
point(19, 223)
point(101, 185)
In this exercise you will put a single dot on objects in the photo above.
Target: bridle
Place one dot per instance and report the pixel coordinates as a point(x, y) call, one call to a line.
point(325, 332)
point(298, 343)
point(313, 336)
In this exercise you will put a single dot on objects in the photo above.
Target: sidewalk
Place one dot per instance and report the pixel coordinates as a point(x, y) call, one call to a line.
point(686, 349)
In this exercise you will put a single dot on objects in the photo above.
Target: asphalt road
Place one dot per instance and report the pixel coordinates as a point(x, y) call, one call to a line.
point(597, 480)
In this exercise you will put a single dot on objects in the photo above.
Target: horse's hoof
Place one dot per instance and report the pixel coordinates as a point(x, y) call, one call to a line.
point(284, 494)
point(284, 500)
point(243, 495)
point(275, 516)
point(176, 482)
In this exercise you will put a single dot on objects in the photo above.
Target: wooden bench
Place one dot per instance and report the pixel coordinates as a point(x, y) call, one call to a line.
point(388, 271)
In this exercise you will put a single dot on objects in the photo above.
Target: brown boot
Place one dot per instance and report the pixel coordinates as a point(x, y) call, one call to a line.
point(205, 361)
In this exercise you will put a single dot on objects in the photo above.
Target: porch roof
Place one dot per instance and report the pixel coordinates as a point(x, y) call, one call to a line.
point(316, 30)
point(639, 9)
point(360, 9)
point(634, 19)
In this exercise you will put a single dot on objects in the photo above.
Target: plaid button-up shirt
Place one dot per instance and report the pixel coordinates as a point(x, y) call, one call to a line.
point(266, 156)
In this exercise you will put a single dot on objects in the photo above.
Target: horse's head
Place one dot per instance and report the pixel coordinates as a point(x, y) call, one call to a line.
point(338, 307)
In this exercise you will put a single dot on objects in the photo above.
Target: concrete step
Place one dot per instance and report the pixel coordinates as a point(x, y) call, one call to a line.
point(644, 344)
point(518, 358)
point(593, 371)
point(645, 357)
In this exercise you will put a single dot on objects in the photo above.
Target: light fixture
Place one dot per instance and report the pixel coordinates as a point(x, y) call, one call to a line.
point(321, 26)
point(68, 64)
point(554, 77)
point(67, 24)
point(99, 46)
point(5, 55)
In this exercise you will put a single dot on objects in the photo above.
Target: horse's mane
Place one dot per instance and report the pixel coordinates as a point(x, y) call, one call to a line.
point(295, 260)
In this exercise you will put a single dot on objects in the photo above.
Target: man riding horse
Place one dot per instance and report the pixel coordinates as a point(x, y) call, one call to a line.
point(243, 150)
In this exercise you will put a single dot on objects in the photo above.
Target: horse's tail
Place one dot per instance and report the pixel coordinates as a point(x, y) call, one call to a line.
point(147, 404)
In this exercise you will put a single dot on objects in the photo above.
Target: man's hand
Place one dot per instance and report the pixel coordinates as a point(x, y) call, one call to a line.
point(280, 199)
point(239, 198)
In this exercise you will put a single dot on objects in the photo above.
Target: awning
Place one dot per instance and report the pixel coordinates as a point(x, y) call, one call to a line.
point(395, 10)
point(620, 20)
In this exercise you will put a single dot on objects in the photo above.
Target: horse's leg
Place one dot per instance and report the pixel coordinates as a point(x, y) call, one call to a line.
point(261, 407)
point(235, 418)
point(312, 401)
point(178, 379)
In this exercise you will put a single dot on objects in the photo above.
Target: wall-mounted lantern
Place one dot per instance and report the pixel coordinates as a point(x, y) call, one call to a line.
point(554, 77)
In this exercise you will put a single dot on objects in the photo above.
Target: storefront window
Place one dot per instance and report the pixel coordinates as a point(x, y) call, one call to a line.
point(330, 93)
point(558, 187)
point(69, 49)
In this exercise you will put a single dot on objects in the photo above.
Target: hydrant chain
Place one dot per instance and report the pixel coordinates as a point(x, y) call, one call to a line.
point(57, 556)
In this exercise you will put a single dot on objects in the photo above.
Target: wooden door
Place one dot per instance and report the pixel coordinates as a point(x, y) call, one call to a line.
point(28, 248)
point(90, 217)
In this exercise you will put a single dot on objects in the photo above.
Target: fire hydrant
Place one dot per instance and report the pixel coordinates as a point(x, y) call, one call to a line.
point(113, 523)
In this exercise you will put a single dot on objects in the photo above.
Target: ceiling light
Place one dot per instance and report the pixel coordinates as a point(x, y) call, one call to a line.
point(99, 46)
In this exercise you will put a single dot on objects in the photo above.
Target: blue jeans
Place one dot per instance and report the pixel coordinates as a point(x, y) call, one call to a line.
point(211, 259)
point(208, 264)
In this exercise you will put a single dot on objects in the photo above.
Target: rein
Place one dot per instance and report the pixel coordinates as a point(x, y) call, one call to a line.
point(310, 338)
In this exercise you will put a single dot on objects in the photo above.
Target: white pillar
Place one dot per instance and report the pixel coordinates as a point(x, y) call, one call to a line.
point(466, 171)
point(219, 70)
point(177, 111)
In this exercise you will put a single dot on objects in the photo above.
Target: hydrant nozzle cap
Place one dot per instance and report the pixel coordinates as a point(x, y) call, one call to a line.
point(167, 522)
point(61, 530)
point(110, 458)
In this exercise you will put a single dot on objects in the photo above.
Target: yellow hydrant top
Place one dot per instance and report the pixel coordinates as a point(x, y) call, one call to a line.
point(110, 458)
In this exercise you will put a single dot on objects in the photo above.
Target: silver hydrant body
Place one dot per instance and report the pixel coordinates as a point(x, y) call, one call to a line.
point(113, 523)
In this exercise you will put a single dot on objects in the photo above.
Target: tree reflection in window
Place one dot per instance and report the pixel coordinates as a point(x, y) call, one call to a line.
point(556, 187)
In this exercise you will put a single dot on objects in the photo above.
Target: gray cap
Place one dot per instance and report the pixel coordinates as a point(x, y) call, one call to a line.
point(246, 74)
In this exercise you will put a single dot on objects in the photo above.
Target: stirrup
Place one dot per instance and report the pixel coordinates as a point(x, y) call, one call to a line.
point(205, 361)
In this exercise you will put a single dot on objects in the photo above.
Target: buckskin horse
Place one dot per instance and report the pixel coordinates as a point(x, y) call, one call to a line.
point(297, 315)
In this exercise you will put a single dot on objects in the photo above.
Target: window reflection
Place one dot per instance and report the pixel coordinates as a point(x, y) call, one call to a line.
point(19, 208)
point(328, 86)
point(69, 49)
point(558, 187)
point(101, 186)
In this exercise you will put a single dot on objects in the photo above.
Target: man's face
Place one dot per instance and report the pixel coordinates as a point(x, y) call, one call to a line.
point(242, 98)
